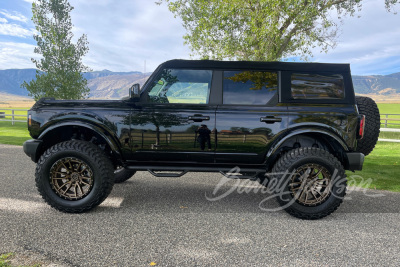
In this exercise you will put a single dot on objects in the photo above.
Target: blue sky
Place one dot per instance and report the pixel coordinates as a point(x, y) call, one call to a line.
point(123, 34)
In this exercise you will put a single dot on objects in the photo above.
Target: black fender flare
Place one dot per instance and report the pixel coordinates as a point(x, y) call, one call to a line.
point(276, 145)
point(111, 140)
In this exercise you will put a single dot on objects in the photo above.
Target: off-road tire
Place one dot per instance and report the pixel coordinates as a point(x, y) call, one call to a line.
point(89, 154)
point(122, 174)
point(295, 160)
point(368, 107)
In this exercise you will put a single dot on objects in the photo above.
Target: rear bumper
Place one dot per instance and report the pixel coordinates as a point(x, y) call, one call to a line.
point(355, 160)
point(32, 148)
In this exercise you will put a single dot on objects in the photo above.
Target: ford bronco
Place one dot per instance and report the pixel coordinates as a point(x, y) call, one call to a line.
point(294, 126)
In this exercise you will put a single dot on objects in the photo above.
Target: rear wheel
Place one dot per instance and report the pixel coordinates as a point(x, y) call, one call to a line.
point(310, 183)
point(367, 106)
point(74, 176)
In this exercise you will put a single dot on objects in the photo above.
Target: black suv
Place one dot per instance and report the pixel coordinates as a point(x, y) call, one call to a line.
point(294, 124)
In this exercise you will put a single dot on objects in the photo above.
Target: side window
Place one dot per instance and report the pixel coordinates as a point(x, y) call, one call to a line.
point(316, 86)
point(249, 87)
point(181, 86)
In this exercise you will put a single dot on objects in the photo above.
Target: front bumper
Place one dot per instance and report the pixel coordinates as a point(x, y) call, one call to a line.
point(32, 149)
point(355, 161)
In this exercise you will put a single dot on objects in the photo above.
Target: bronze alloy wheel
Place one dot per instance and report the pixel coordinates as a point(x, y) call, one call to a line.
point(71, 178)
point(310, 184)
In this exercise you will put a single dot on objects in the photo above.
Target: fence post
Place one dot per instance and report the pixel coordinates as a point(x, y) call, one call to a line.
point(387, 115)
point(12, 112)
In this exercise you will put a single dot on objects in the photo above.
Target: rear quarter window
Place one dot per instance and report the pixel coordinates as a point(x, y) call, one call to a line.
point(317, 86)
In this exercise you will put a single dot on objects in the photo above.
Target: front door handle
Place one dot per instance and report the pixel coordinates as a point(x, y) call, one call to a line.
point(270, 119)
point(199, 118)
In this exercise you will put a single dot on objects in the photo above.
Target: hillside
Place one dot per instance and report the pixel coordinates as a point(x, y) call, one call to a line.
point(377, 84)
point(103, 84)
point(114, 86)
point(106, 84)
point(10, 80)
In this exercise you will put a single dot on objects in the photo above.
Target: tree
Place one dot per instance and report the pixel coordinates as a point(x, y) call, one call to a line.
point(59, 72)
point(165, 120)
point(265, 30)
point(259, 79)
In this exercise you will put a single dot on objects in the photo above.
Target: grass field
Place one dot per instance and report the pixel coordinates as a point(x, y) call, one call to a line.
point(390, 135)
point(13, 134)
point(381, 168)
point(387, 108)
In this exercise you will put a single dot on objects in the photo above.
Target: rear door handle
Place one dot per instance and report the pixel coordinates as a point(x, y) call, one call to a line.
point(270, 119)
point(199, 118)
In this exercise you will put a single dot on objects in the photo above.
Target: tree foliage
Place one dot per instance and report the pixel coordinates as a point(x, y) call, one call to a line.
point(59, 72)
point(259, 79)
point(265, 30)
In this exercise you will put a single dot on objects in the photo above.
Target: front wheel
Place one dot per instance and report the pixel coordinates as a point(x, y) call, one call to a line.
point(310, 183)
point(74, 176)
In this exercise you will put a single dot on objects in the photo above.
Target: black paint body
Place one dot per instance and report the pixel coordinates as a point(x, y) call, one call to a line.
point(140, 133)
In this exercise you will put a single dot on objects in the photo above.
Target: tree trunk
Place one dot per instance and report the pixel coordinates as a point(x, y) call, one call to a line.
point(157, 136)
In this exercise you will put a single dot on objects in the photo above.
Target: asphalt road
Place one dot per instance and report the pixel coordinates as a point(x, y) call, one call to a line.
point(169, 221)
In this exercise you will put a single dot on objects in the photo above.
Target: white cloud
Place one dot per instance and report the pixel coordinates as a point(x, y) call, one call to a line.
point(369, 43)
point(14, 15)
point(121, 39)
point(3, 20)
point(16, 55)
point(122, 36)
point(15, 30)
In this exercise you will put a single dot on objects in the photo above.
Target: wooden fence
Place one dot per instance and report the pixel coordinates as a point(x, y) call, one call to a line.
point(390, 119)
point(13, 115)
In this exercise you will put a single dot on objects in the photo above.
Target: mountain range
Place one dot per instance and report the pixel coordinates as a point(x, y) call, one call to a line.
point(377, 84)
point(106, 84)
point(103, 84)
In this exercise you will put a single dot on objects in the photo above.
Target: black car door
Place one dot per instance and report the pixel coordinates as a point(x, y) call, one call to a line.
point(175, 121)
point(250, 116)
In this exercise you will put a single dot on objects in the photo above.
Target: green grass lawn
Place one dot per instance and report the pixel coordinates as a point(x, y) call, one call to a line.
point(390, 135)
point(387, 108)
point(4, 260)
point(15, 134)
point(381, 168)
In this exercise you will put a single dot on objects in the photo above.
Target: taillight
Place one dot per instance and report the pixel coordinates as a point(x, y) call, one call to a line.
point(29, 120)
point(362, 127)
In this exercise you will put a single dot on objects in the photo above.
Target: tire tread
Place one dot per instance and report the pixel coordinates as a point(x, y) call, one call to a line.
point(288, 159)
point(101, 161)
point(368, 107)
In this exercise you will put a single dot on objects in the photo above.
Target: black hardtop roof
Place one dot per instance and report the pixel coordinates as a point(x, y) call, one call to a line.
point(256, 65)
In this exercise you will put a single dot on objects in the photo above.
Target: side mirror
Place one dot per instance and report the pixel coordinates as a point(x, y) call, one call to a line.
point(134, 92)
